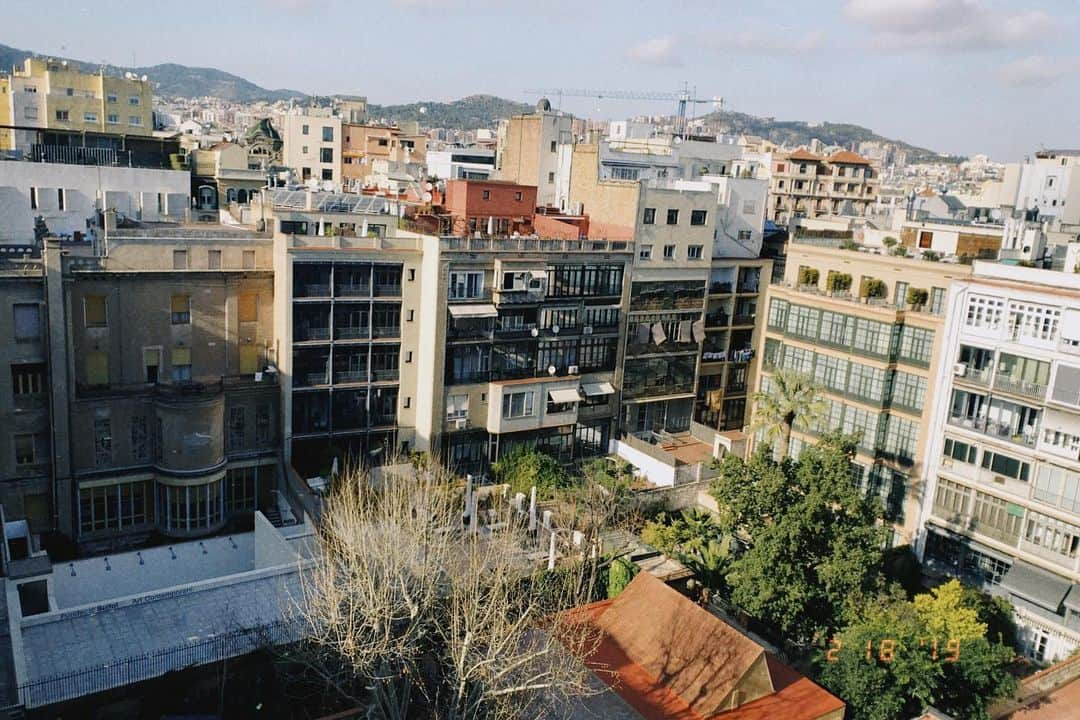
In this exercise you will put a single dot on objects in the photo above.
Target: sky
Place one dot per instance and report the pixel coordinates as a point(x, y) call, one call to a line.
point(958, 76)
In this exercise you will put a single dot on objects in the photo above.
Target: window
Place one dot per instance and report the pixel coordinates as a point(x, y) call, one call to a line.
point(140, 450)
point(984, 312)
point(27, 322)
point(951, 499)
point(111, 97)
point(900, 294)
point(909, 391)
point(1037, 322)
point(553, 145)
point(33, 198)
point(102, 442)
point(151, 363)
point(645, 252)
point(669, 252)
point(61, 199)
point(263, 434)
point(213, 259)
point(457, 407)
point(693, 252)
point(135, 120)
point(327, 174)
point(996, 517)
point(247, 259)
point(517, 405)
point(485, 194)
point(24, 449)
point(698, 217)
point(326, 155)
point(181, 364)
point(466, 284)
point(1005, 465)
point(133, 100)
point(97, 368)
point(305, 130)
point(27, 379)
point(89, 117)
point(240, 485)
point(247, 307)
point(745, 235)
point(304, 150)
point(94, 311)
point(551, 177)
point(181, 309)
point(1055, 535)
point(649, 218)
point(179, 259)
point(517, 196)
point(937, 300)
point(959, 451)
point(236, 428)
point(916, 345)
point(1058, 487)
point(62, 115)
point(672, 217)
point(328, 134)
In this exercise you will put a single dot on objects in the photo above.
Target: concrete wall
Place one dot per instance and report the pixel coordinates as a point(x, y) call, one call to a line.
point(611, 205)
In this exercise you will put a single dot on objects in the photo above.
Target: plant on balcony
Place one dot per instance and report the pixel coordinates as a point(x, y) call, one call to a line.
point(837, 282)
point(890, 241)
point(917, 297)
point(808, 276)
point(848, 244)
point(792, 399)
point(872, 288)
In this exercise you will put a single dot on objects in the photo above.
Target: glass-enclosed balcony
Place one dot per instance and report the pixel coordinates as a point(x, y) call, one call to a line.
point(995, 417)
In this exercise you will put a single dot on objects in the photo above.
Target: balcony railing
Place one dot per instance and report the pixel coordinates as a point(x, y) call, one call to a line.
point(350, 376)
point(387, 375)
point(716, 320)
point(1016, 386)
point(744, 319)
point(352, 333)
point(720, 288)
point(316, 290)
point(386, 331)
point(388, 290)
point(346, 290)
point(632, 390)
point(996, 429)
point(315, 378)
point(980, 377)
point(516, 331)
point(313, 333)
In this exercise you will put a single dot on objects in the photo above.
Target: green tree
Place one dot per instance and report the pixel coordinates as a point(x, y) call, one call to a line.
point(694, 538)
point(620, 573)
point(792, 398)
point(525, 466)
point(814, 540)
point(900, 656)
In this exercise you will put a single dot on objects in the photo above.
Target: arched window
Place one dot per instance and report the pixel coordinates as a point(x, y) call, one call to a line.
point(207, 197)
point(242, 196)
point(230, 195)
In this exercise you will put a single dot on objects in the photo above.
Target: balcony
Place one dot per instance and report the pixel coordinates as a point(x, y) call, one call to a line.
point(980, 377)
point(720, 288)
point(350, 376)
point(1010, 431)
point(517, 331)
point(352, 290)
point(307, 334)
point(313, 378)
point(386, 331)
point(744, 319)
point(1016, 386)
point(315, 290)
point(352, 332)
point(387, 289)
point(384, 375)
point(716, 320)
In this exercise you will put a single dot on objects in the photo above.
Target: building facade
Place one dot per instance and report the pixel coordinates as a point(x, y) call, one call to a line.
point(528, 150)
point(1003, 469)
point(311, 144)
point(807, 185)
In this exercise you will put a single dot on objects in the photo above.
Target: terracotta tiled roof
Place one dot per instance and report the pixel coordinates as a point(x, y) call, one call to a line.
point(804, 154)
point(668, 658)
point(847, 157)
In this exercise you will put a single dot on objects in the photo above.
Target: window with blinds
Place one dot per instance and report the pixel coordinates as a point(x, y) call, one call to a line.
point(181, 309)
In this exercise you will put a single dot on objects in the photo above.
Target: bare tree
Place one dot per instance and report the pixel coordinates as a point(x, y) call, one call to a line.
point(412, 612)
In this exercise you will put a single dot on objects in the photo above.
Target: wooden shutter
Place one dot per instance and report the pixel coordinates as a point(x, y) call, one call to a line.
point(249, 359)
point(181, 303)
point(248, 307)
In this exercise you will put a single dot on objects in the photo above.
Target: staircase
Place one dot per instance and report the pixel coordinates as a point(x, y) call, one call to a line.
point(273, 515)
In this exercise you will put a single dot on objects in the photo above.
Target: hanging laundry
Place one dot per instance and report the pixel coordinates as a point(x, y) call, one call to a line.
point(658, 335)
point(642, 335)
point(684, 332)
point(699, 331)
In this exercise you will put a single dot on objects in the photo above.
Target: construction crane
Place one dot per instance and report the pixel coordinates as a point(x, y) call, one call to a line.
point(686, 96)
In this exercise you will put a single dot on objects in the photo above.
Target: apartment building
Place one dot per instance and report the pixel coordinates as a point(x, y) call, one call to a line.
point(347, 314)
point(846, 318)
point(461, 163)
point(365, 145)
point(311, 144)
point(1003, 469)
point(807, 185)
point(528, 149)
point(54, 95)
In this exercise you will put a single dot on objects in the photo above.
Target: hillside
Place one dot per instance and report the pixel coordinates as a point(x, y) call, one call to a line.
point(797, 132)
point(474, 111)
point(173, 79)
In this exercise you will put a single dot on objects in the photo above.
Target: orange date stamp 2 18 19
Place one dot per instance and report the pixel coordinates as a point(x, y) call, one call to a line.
point(885, 650)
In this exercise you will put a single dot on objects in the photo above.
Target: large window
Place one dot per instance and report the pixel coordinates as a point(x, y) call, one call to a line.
point(867, 383)
point(1037, 322)
point(27, 322)
point(103, 454)
point(951, 500)
point(916, 345)
point(237, 428)
point(518, 405)
point(1055, 535)
point(181, 309)
point(873, 338)
point(996, 517)
point(241, 489)
point(457, 407)
point(803, 321)
point(984, 312)
point(909, 391)
point(959, 451)
point(1009, 467)
point(466, 285)
point(140, 447)
point(1058, 487)
point(836, 329)
point(585, 281)
point(115, 507)
point(193, 507)
point(94, 311)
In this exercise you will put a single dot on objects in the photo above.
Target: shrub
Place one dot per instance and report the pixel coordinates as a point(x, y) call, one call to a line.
point(873, 288)
point(931, 256)
point(621, 572)
point(890, 241)
point(917, 297)
point(837, 281)
point(808, 276)
point(899, 251)
point(848, 244)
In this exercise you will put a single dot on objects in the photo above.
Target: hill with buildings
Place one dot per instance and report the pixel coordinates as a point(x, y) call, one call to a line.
point(467, 113)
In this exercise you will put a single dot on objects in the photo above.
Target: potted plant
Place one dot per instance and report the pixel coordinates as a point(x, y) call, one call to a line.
point(917, 297)
point(808, 276)
point(872, 288)
point(899, 251)
point(890, 241)
point(837, 282)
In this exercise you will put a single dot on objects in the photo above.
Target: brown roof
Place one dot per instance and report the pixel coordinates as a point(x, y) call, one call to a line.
point(928, 193)
point(668, 658)
point(1059, 704)
point(804, 154)
point(846, 157)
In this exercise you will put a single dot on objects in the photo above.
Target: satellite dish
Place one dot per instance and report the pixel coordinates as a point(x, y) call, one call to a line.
point(551, 369)
point(534, 332)
point(143, 78)
point(555, 329)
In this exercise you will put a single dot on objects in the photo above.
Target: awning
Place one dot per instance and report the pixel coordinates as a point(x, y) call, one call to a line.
point(474, 311)
point(1036, 585)
point(1072, 600)
point(538, 274)
point(564, 395)
point(600, 388)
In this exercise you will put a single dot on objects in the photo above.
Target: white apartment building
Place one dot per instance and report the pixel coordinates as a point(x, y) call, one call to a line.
point(312, 145)
point(1001, 505)
point(461, 163)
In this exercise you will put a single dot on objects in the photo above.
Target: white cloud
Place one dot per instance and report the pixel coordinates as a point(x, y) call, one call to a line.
point(660, 50)
point(1037, 70)
point(949, 25)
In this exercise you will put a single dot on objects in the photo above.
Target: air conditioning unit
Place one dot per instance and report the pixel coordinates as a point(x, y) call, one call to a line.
point(461, 423)
point(959, 369)
point(999, 479)
point(573, 369)
point(587, 330)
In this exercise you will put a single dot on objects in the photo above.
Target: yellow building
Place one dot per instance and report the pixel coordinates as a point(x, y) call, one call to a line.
point(53, 95)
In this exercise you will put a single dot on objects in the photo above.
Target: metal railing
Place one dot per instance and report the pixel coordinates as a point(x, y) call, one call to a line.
point(131, 670)
point(534, 244)
point(76, 155)
point(317, 333)
point(1016, 386)
point(344, 290)
point(352, 333)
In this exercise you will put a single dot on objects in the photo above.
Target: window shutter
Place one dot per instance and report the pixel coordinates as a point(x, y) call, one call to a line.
point(248, 307)
point(94, 310)
point(181, 356)
point(181, 303)
point(97, 368)
point(249, 359)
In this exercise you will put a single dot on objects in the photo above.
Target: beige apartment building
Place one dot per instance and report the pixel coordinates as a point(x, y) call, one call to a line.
point(363, 145)
point(873, 357)
point(527, 151)
point(53, 95)
point(807, 185)
point(311, 144)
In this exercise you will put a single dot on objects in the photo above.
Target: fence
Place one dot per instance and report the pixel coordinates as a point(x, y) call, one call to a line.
point(131, 670)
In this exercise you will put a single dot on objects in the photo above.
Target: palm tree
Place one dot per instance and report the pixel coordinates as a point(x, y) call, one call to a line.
point(791, 398)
